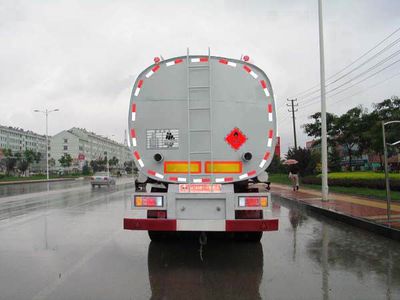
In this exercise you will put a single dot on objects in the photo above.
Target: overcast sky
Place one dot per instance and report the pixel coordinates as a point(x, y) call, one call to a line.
point(83, 56)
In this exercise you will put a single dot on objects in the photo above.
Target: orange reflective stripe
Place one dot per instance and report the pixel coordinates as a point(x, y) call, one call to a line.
point(218, 167)
point(171, 167)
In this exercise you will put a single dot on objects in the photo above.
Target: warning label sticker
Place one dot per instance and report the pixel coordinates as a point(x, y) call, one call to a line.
point(162, 138)
point(199, 188)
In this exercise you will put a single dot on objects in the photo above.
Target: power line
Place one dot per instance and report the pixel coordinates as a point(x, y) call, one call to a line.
point(361, 75)
point(356, 68)
point(352, 63)
point(362, 91)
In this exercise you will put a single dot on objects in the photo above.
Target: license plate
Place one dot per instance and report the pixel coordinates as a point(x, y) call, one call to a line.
point(200, 188)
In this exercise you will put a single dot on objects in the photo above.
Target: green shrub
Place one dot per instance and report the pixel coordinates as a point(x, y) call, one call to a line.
point(372, 183)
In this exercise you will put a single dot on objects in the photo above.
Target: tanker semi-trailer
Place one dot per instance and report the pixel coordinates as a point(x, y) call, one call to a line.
point(202, 133)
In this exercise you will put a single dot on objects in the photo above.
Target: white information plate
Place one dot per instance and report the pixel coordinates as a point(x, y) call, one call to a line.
point(200, 188)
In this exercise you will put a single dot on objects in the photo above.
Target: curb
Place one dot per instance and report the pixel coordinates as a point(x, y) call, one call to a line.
point(354, 221)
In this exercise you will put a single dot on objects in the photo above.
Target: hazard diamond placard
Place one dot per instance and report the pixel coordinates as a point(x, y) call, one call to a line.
point(236, 138)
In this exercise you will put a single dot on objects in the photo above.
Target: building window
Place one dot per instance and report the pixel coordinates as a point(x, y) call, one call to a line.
point(65, 147)
point(65, 141)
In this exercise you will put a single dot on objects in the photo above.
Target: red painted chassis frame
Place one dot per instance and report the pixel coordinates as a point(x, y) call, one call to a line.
point(230, 225)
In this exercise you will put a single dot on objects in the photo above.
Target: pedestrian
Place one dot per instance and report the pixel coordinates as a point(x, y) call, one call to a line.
point(294, 176)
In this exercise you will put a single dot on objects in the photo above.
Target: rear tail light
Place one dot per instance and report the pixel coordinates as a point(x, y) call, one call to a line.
point(250, 201)
point(156, 214)
point(92, 178)
point(148, 201)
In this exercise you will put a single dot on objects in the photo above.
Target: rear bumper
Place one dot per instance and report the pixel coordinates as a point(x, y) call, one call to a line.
point(100, 182)
point(201, 225)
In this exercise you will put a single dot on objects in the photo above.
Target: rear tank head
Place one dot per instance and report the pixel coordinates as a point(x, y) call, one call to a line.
point(202, 119)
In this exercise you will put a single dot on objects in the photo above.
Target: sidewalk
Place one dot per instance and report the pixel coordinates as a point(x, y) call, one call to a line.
point(355, 207)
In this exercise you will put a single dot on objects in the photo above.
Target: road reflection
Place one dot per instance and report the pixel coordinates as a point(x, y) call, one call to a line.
point(228, 270)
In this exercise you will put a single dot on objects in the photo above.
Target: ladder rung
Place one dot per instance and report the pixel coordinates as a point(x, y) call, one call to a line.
point(199, 87)
point(199, 67)
point(200, 130)
point(200, 152)
point(199, 108)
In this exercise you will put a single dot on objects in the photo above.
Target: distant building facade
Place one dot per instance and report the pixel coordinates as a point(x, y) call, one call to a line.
point(84, 146)
point(18, 140)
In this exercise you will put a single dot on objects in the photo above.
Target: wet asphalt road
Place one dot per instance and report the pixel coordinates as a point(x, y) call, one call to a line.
point(71, 245)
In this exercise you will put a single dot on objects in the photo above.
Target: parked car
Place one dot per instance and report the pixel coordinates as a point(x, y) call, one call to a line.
point(101, 178)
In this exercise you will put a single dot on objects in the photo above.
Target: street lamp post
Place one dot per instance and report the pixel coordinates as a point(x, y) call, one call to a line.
point(324, 145)
point(47, 112)
point(385, 156)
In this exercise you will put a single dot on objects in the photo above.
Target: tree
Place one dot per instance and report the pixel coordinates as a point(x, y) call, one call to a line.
point(23, 165)
point(10, 160)
point(113, 161)
point(307, 160)
point(349, 132)
point(65, 160)
point(313, 128)
point(85, 169)
point(98, 165)
point(29, 156)
point(334, 160)
point(387, 110)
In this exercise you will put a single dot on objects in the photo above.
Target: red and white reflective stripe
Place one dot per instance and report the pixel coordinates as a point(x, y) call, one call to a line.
point(154, 173)
point(264, 161)
point(199, 59)
point(133, 136)
point(250, 71)
point(270, 112)
point(179, 179)
point(152, 71)
point(133, 111)
point(174, 62)
point(140, 161)
point(201, 180)
point(139, 86)
point(227, 62)
point(224, 179)
point(270, 135)
point(248, 174)
point(264, 86)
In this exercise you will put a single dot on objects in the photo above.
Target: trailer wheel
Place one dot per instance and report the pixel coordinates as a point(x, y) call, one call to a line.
point(253, 237)
point(157, 236)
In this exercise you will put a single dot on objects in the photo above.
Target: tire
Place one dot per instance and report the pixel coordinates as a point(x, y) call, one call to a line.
point(157, 236)
point(253, 237)
point(92, 186)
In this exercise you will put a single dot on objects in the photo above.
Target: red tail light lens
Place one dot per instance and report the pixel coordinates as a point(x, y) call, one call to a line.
point(250, 201)
point(148, 201)
point(156, 214)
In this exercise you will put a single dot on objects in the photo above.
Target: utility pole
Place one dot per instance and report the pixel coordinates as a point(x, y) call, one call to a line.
point(293, 111)
point(324, 145)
